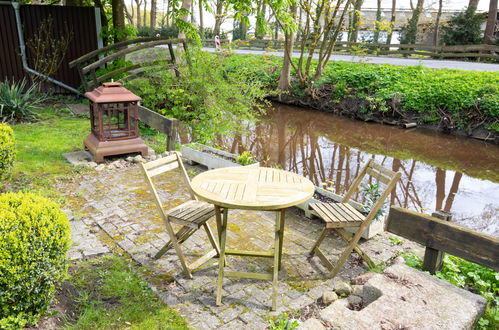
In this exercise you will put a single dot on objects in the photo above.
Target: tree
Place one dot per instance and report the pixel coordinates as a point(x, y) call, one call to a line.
point(489, 36)
point(355, 24)
point(315, 40)
point(118, 11)
point(437, 23)
point(377, 22)
point(138, 3)
point(220, 14)
point(411, 30)
point(154, 8)
point(392, 22)
point(201, 25)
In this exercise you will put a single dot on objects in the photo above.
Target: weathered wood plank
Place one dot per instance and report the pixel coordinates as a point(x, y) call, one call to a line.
point(256, 276)
point(456, 240)
point(249, 253)
point(434, 259)
point(167, 126)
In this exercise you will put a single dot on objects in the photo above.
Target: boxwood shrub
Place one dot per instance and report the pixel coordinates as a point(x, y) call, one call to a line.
point(34, 239)
point(7, 150)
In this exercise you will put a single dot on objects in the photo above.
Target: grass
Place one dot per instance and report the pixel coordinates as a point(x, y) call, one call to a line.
point(40, 146)
point(108, 293)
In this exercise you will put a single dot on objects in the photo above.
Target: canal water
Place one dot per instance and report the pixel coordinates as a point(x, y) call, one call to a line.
point(439, 172)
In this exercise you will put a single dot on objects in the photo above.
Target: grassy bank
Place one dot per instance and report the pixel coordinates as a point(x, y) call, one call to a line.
point(452, 99)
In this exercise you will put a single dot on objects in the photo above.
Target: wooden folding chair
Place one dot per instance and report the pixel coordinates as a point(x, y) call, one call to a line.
point(191, 215)
point(340, 215)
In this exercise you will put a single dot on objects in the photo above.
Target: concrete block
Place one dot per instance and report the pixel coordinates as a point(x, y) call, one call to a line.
point(409, 299)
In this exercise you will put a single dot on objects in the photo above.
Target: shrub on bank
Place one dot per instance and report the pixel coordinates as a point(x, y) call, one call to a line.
point(426, 95)
point(34, 239)
point(7, 150)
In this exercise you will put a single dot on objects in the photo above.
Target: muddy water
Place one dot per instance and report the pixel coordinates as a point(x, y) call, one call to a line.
point(439, 172)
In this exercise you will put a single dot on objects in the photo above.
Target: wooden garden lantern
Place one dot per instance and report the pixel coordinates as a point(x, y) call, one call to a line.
point(114, 119)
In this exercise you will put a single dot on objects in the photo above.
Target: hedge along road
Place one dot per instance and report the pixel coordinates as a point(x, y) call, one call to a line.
point(434, 64)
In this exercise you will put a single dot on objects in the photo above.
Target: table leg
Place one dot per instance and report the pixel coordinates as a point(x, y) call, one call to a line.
point(281, 233)
point(221, 260)
point(275, 277)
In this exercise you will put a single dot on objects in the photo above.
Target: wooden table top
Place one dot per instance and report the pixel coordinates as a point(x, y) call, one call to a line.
point(252, 188)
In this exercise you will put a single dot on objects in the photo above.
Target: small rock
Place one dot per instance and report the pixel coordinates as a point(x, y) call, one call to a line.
point(92, 164)
point(343, 289)
point(399, 260)
point(362, 279)
point(354, 300)
point(151, 152)
point(100, 167)
point(129, 159)
point(152, 157)
point(138, 159)
point(357, 290)
point(311, 324)
point(110, 166)
point(328, 297)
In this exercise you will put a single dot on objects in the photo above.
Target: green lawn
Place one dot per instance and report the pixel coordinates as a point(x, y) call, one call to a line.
point(108, 293)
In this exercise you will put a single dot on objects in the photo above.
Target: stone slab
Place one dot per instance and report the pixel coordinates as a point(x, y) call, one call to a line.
point(78, 158)
point(410, 299)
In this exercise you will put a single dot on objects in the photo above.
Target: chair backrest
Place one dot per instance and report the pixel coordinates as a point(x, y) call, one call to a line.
point(383, 175)
point(162, 165)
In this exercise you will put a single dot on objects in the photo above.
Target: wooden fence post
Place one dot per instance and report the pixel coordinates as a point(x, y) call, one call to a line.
point(171, 138)
point(433, 259)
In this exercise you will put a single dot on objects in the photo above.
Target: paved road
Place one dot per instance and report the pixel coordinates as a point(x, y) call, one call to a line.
point(435, 64)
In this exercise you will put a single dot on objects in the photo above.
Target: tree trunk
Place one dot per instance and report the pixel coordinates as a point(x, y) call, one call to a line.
point(145, 13)
point(289, 39)
point(412, 26)
point(218, 17)
point(356, 20)
point(201, 26)
point(139, 18)
point(473, 3)
point(378, 21)
point(118, 19)
point(186, 4)
point(129, 16)
point(437, 23)
point(489, 36)
point(392, 22)
point(154, 6)
point(193, 19)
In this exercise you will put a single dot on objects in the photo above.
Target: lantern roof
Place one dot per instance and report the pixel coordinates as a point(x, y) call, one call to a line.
point(111, 92)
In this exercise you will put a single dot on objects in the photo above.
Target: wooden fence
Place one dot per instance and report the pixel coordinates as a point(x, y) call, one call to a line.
point(80, 22)
point(440, 52)
point(442, 236)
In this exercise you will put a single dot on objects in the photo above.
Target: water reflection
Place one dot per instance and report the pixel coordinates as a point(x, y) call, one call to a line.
point(454, 174)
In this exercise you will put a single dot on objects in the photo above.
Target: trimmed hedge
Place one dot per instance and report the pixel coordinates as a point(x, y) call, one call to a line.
point(7, 150)
point(34, 239)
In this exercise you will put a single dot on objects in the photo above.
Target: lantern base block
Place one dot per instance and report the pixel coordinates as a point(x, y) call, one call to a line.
point(100, 149)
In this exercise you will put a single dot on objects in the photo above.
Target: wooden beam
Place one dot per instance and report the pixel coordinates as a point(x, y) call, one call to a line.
point(167, 126)
point(440, 235)
point(434, 259)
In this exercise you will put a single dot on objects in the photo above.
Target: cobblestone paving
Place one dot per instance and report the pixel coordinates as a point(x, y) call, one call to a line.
point(118, 202)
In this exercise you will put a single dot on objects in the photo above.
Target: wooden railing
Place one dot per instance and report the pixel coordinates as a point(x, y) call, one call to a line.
point(442, 236)
point(460, 51)
point(89, 63)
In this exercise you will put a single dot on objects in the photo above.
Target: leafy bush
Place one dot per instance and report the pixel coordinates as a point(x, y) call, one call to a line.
point(205, 96)
point(18, 103)
point(7, 150)
point(464, 28)
point(34, 239)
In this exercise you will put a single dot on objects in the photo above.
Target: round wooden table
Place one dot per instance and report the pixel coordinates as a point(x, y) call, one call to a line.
point(251, 188)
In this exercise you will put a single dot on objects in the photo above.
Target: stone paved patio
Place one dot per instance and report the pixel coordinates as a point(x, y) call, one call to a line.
point(118, 202)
